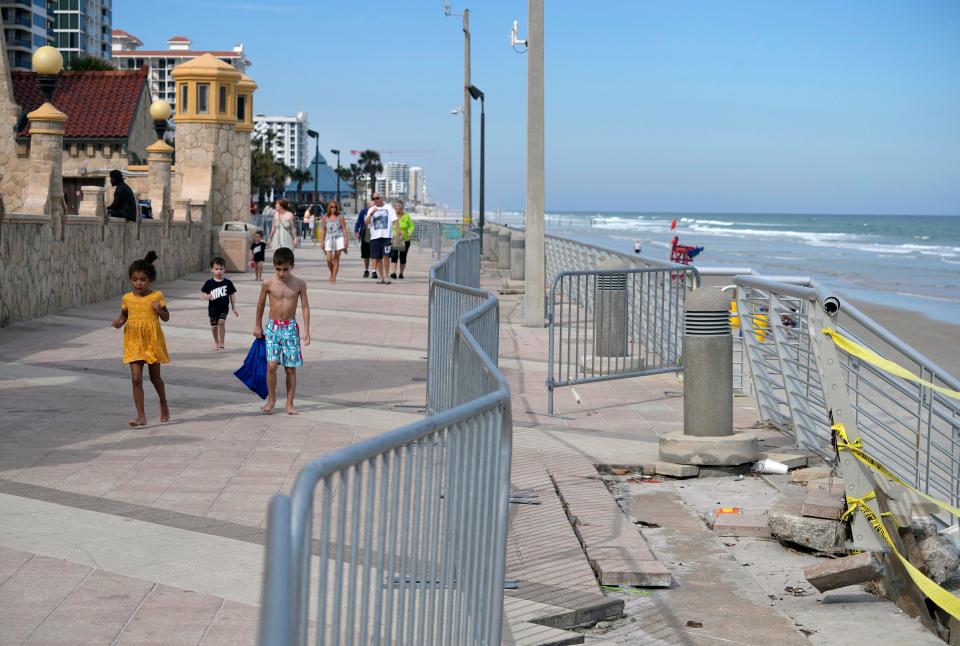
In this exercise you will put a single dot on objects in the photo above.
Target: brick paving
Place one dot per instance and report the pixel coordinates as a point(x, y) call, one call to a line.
point(155, 534)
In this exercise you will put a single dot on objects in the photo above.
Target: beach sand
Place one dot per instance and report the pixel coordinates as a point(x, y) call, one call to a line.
point(937, 340)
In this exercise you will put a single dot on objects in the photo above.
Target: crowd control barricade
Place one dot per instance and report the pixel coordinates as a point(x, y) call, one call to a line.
point(817, 359)
point(401, 539)
point(615, 324)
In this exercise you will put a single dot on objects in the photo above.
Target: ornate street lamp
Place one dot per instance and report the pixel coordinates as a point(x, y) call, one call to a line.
point(47, 63)
point(160, 111)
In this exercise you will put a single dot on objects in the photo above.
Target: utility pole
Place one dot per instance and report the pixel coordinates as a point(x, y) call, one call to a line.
point(533, 298)
point(467, 151)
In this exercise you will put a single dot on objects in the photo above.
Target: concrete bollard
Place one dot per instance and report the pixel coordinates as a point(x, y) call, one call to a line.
point(610, 312)
point(503, 249)
point(517, 255)
point(708, 437)
point(489, 241)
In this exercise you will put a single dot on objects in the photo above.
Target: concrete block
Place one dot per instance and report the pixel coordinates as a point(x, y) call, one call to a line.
point(822, 504)
point(673, 470)
point(630, 571)
point(787, 523)
point(724, 450)
point(941, 557)
point(833, 486)
point(742, 525)
point(792, 460)
point(810, 473)
point(831, 574)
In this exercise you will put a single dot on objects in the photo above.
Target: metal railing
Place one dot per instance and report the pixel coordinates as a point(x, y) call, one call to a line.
point(412, 524)
point(913, 429)
point(615, 324)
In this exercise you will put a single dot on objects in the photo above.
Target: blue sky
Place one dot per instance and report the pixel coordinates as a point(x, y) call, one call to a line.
point(673, 105)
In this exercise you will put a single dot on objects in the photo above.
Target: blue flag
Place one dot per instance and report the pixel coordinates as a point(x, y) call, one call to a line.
point(253, 372)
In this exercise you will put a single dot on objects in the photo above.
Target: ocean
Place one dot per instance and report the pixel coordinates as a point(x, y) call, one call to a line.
point(906, 262)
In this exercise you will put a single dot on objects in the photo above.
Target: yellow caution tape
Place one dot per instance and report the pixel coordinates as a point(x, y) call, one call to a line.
point(856, 448)
point(868, 355)
point(929, 588)
point(941, 597)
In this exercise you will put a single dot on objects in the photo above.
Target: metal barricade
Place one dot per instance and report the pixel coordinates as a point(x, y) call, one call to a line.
point(615, 324)
point(912, 429)
point(412, 524)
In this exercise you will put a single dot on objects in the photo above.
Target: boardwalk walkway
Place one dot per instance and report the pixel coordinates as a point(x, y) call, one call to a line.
point(155, 535)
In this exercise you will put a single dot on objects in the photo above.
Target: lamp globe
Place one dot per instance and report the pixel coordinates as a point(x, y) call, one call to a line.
point(160, 110)
point(47, 61)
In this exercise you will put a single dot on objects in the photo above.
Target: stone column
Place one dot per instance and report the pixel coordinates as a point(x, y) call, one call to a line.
point(159, 161)
point(44, 191)
point(93, 203)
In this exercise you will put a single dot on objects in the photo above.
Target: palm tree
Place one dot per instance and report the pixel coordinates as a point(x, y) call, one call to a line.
point(87, 63)
point(369, 163)
point(352, 175)
point(300, 176)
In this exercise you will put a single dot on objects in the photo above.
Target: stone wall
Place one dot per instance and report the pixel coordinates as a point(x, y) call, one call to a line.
point(214, 144)
point(40, 275)
point(12, 175)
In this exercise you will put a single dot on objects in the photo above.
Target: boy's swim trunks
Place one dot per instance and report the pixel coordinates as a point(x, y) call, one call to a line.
point(283, 343)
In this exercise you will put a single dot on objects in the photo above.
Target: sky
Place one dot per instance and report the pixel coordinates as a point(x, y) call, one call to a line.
point(675, 105)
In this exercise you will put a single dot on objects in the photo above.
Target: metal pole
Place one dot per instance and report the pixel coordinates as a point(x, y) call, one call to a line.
point(338, 181)
point(467, 153)
point(533, 299)
point(482, 154)
point(316, 171)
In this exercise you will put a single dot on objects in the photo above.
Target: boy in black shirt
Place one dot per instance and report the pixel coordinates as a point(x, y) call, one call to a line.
point(259, 249)
point(219, 291)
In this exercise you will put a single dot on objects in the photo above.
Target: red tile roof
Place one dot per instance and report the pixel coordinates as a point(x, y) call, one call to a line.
point(126, 34)
point(179, 39)
point(98, 105)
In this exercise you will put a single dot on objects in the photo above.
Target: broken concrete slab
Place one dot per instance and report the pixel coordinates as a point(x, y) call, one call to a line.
point(674, 470)
point(834, 486)
point(822, 504)
point(792, 460)
point(787, 523)
point(742, 525)
point(941, 556)
point(627, 570)
point(848, 570)
point(810, 473)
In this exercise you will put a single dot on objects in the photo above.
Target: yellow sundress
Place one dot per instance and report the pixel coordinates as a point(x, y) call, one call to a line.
point(142, 337)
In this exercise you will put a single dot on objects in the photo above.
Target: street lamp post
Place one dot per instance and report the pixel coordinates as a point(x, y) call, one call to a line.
point(316, 165)
point(467, 154)
point(337, 153)
point(477, 94)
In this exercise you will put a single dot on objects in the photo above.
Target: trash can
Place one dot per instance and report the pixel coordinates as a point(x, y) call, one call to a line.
point(234, 245)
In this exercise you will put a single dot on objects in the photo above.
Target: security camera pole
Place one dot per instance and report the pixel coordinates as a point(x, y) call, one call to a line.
point(533, 299)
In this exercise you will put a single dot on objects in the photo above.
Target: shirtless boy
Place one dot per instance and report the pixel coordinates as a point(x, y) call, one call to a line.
point(282, 333)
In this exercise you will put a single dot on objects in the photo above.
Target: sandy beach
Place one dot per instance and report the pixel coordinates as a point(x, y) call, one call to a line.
point(937, 340)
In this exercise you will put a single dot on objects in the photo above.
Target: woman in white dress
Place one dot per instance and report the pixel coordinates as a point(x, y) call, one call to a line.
point(284, 227)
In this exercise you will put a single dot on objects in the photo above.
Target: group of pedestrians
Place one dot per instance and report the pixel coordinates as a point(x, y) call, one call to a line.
point(384, 231)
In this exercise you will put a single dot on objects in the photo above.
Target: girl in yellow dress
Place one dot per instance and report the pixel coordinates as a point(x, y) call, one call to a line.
point(141, 311)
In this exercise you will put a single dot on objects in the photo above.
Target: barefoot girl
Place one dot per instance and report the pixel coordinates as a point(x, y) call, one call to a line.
point(334, 238)
point(141, 311)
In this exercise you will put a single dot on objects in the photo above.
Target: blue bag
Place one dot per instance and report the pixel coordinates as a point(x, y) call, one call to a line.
point(253, 372)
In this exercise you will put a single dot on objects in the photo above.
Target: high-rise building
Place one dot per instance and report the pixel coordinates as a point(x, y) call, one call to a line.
point(415, 187)
point(397, 175)
point(83, 28)
point(289, 141)
point(127, 55)
point(26, 27)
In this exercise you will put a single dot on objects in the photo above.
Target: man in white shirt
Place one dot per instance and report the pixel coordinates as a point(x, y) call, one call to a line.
point(381, 219)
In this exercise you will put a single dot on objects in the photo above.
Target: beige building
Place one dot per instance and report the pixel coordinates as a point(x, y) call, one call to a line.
point(127, 54)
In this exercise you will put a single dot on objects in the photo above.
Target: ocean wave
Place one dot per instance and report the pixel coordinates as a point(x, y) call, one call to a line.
point(807, 236)
point(719, 223)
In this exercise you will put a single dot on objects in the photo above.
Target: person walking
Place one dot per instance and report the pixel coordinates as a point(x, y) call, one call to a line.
point(381, 219)
point(401, 240)
point(334, 238)
point(362, 233)
point(124, 203)
point(284, 227)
